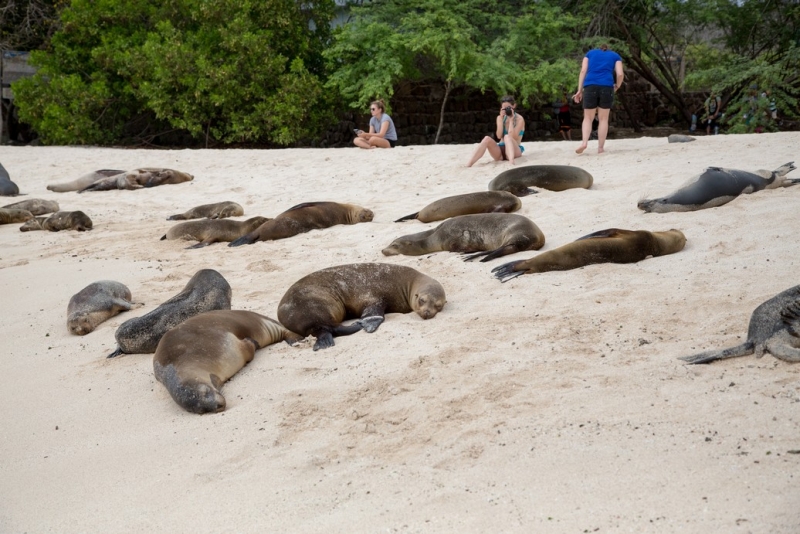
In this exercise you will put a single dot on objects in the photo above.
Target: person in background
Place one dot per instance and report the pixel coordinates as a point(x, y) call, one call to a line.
point(510, 127)
point(712, 106)
point(564, 118)
point(382, 133)
point(596, 88)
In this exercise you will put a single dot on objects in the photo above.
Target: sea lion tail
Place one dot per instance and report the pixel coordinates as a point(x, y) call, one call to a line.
point(506, 272)
point(178, 217)
point(163, 237)
point(408, 217)
point(115, 353)
point(709, 356)
point(201, 244)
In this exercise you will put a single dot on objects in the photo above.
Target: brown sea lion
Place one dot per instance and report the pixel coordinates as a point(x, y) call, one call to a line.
point(36, 206)
point(95, 303)
point(10, 215)
point(207, 290)
point(84, 181)
point(139, 178)
point(606, 246)
point(304, 217)
point(493, 234)
point(318, 303)
point(7, 187)
point(196, 357)
point(62, 220)
point(210, 231)
point(519, 180)
point(480, 202)
point(220, 210)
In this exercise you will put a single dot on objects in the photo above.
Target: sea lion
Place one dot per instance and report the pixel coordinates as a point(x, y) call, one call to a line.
point(552, 177)
point(303, 218)
point(207, 290)
point(774, 328)
point(95, 303)
point(9, 216)
point(62, 220)
point(717, 186)
point(606, 246)
point(680, 138)
point(7, 187)
point(210, 231)
point(84, 181)
point(36, 206)
point(481, 202)
point(318, 303)
point(196, 357)
point(139, 178)
point(220, 210)
point(493, 234)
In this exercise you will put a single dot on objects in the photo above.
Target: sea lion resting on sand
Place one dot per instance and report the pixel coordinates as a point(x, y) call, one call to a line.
point(493, 234)
point(62, 220)
point(207, 290)
point(7, 187)
point(36, 206)
point(606, 246)
point(481, 202)
point(11, 215)
point(95, 303)
point(717, 186)
point(304, 217)
point(519, 180)
point(84, 181)
point(318, 303)
point(220, 210)
point(774, 328)
point(680, 138)
point(196, 357)
point(139, 178)
point(213, 230)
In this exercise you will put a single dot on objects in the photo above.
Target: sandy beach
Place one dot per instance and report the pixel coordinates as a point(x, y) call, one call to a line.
point(552, 403)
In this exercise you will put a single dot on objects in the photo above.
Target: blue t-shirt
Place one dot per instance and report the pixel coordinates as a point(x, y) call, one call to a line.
point(391, 133)
point(601, 67)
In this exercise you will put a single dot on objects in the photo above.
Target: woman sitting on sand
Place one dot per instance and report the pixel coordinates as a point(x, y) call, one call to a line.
point(510, 129)
point(381, 129)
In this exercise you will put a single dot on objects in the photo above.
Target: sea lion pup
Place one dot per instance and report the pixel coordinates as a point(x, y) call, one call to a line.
point(606, 246)
point(481, 202)
point(213, 230)
point(84, 181)
point(207, 290)
point(303, 218)
point(36, 206)
point(220, 210)
point(317, 304)
point(139, 178)
point(774, 328)
point(717, 186)
point(519, 180)
point(95, 303)
point(7, 187)
point(493, 234)
point(62, 220)
point(196, 357)
point(10, 215)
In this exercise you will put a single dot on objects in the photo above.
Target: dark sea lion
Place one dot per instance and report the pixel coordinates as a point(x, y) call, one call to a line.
point(139, 178)
point(680, 138)
point(210, 231)
point(487, 234)
point(62, 220)
point(95, 303)
point(196, 357)
point(774, 328)
point(317, 304)
point(84, 181)
point(220, 210)
point(36, 206)
point(606, 246)
point(10, 215)
point(303, 218)
point(717, 186)
point(519, 180)
point(206, 291)
point(481, 202)
point(7, 187)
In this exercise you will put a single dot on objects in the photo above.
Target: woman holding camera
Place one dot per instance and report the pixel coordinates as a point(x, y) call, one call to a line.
point(510, 129)
point(381, 129)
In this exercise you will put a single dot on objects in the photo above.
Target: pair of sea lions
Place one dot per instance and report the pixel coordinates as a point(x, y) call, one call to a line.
point(107, 179)
point(519, 180)
point(37, 206)
point(219, 210)
point(7, 187)
point(95, 303)
point(213, 230)
point(62, 220)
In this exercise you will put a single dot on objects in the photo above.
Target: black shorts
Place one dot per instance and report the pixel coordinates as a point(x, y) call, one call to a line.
point(392, 142)
point(598, 96)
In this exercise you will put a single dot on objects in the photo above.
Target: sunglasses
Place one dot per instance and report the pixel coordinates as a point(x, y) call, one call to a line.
point(373, 109)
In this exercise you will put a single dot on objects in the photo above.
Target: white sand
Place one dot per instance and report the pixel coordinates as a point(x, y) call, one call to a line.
point(552, 403)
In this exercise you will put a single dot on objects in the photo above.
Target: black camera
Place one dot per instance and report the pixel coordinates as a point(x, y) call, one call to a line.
point(355, 131)
point(509, 110)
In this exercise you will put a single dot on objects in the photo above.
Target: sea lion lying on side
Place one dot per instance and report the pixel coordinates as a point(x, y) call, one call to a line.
point(36, 206)
point(139, 178)
point(11, 215)
point(210, 231)
point(519, 180)
point(62, 220)
point(95, 303)
point(84, 181)
point(480, 202)
point(220, 210)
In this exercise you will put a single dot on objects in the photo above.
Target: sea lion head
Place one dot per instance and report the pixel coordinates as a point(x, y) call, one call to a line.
point(201, 398)
point(402, 245)
point(80, 324)
point(670, 241)
point(428, 298)
point(364, 215)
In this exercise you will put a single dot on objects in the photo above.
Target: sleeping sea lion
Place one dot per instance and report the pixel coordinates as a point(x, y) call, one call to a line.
point(139, 178)
point(196, 357)
point(7, 187)
point(481, 202)
point(84, 181)
point(318, 303)
point(519, 180)
point(62, 220)
point(220, 210)
point(36, 206)
point(95, 303)
point(9, 216)
point(606, 246)
point(717, 186)
point(210, 231)
point(680, 138)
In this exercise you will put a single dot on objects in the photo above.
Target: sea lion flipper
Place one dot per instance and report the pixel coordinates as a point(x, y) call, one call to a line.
point(304, 205)
point(163, 237)
point(178, 217)
point(371, 323)
point(608, 232)
point(709, 356)
point(472, 256)
point(115, 353)
point(201, 244)
point(408, 217)
point(506, 272)
point(324, 341)
point(247, 239)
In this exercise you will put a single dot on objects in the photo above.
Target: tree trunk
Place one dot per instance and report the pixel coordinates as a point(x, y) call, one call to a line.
point(624, 101)
point(447, 88)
